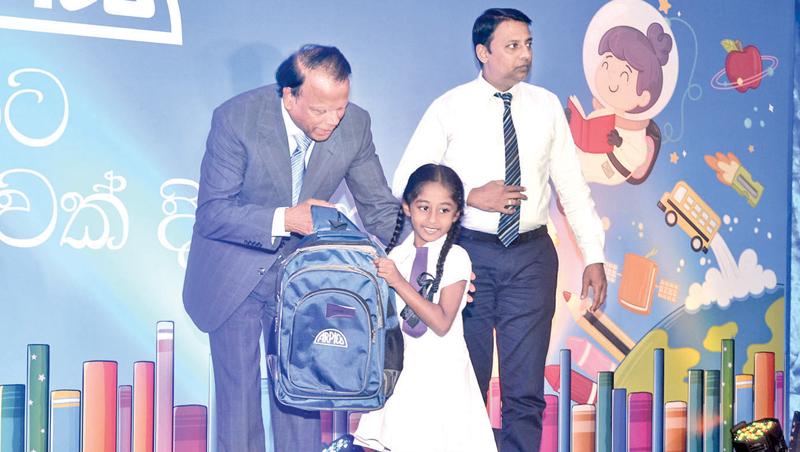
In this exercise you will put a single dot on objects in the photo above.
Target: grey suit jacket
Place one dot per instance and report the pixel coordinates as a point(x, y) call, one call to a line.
point(246, 175)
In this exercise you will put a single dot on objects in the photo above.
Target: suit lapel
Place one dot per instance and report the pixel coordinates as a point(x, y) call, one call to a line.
point(272, 146)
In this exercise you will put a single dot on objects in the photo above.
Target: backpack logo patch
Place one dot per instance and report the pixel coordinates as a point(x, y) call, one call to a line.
point(331, 337)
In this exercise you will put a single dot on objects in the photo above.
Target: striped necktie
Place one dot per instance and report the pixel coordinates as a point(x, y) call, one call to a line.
point(298, 161)
point(508, 228)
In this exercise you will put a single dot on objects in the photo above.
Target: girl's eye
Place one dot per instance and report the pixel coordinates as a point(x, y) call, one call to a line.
point(626, 75)
point(605, 65)
point(444, 210)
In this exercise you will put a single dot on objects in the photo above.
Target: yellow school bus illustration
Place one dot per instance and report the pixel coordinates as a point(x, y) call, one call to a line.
point(688, 210)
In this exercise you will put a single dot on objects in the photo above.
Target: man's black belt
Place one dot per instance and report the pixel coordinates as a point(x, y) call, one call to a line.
point(469, 234)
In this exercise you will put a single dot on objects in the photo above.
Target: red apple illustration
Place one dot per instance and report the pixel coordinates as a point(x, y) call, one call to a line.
point(742, 65)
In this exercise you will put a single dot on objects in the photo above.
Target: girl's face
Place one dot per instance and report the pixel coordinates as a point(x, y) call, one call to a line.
point(432, 213)
point(615, 81)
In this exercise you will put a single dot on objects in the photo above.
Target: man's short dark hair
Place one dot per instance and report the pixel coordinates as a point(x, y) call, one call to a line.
point(291, 73)
point(486, 23)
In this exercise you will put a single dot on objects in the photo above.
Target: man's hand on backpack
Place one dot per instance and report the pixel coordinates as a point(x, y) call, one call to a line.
point(298, 218)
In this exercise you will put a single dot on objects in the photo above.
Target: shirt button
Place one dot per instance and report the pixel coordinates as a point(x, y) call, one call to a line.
point(261, 271)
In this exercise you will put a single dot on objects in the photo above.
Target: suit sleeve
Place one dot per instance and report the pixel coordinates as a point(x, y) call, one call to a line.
point(367, 182)
point(221, 213)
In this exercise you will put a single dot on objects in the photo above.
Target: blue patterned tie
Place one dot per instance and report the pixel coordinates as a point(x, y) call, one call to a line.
point(508, 228)
point(299, 165)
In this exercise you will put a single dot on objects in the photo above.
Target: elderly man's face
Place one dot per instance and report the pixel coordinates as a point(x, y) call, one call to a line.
point(507, 61)
point(319, 106)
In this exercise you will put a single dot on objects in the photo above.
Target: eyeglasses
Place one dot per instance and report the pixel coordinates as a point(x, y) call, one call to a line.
point(411, 322)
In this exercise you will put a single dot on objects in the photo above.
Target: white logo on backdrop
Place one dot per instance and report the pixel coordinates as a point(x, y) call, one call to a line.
point(142, 9)
point(12, 129)
point(103, 197)
point(172, 209)
point(15, 200)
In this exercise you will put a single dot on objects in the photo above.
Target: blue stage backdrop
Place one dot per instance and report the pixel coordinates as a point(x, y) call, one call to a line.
point(105, 106)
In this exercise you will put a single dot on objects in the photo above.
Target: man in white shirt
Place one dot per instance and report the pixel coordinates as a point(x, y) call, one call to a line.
point(506, 139)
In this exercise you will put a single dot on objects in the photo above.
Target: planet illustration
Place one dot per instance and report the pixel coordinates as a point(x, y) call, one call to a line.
point(744, 67)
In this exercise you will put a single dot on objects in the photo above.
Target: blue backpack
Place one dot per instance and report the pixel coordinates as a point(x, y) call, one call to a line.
point(338, 344)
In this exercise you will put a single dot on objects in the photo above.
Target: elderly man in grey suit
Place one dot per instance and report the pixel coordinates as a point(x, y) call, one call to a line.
point(271, 154)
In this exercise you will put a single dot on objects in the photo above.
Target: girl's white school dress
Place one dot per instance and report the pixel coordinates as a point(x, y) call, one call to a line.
point(437, 405)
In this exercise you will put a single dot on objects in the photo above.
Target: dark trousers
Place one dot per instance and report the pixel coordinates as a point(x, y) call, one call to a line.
point(515, 296)
point(236, 357)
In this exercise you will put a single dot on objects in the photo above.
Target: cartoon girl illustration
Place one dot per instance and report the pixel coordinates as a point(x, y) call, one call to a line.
point(631, 74)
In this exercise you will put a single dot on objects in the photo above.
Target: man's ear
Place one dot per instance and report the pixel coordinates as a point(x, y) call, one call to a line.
point(288, 98)
point(482, 52)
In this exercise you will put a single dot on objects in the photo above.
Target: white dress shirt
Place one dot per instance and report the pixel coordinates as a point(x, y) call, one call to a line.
point(292, 131)
point(463, 129)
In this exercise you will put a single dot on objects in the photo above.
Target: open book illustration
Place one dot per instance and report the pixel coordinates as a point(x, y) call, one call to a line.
point(590, 133)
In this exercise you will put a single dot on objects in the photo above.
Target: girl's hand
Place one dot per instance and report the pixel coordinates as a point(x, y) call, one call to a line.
point(388, 271)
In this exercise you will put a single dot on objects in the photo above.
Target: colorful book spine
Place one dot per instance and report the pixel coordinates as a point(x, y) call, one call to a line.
point(189, 433)
point(65, 421)
point(675, 426)
point(99, 417)
point(493, 403)
point(605, 384)
point(353, 418)
point(727, 392)
point(549, 441)
point(12, 418)
point(326, 426)
point(564, 402)
point(212, 410)
point(619, 420)
point(694, 420)
point(583, 428)
point(124, 417)
point(165, 348)
point(779, 395)
point(711, 430)
point(143, 393)
point(640, 422)
point(764, 386)
point(38, 397)
point(743, 402)
point(658, 400)
point(266, 419)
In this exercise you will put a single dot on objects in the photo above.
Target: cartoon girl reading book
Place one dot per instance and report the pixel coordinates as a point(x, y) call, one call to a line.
point(631, 71)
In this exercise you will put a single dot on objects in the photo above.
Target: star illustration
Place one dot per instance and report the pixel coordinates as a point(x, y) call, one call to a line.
point(771, 108)
point(41, 377)
point(33, 357)
point(684, 152)
point(664, 6)
point(30, 402)
point(679, 14)
point(751, 148)
point(674, 158)
point(41, 431)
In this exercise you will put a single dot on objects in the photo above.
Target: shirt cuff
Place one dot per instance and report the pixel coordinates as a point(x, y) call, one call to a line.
point(593, 256)
point(279, 224)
